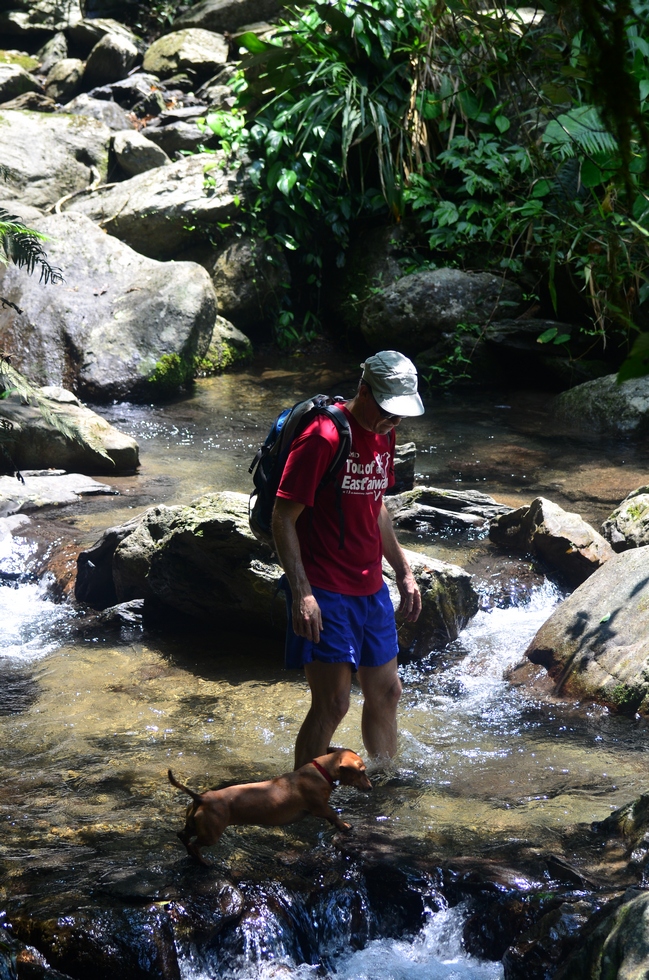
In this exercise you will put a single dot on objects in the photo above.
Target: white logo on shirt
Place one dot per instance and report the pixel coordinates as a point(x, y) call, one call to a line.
point(367, 478)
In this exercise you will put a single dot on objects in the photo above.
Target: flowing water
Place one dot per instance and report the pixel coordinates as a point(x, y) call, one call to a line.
point(91, 717)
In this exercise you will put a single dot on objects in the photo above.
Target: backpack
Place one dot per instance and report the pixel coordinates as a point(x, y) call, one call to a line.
point(270, 460)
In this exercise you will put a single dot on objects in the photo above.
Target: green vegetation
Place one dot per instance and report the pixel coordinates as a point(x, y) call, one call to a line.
point(172, 372)
point(502, 131)
point(25, 61)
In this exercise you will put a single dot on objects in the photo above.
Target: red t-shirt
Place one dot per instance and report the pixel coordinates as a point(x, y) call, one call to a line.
point(354, 569)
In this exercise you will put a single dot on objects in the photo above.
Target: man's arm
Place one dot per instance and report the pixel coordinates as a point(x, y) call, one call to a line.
point(307, 618)
point(410, 596)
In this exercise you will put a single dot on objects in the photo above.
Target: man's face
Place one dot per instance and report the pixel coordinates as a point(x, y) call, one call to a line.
point(379, 420)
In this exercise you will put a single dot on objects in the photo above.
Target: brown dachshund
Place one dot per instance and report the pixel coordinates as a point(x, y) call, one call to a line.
point(272, 803)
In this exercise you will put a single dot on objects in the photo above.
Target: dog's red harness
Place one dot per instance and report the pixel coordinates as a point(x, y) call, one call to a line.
point(323, 772)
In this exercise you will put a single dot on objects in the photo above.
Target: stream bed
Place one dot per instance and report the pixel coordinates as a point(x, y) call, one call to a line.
point(92, 716)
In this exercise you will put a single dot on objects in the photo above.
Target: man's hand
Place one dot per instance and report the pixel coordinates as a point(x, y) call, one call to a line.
point(410, 597)
point(307, 618)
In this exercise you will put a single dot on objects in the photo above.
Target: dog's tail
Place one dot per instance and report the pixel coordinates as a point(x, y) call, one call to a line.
point(196, 797)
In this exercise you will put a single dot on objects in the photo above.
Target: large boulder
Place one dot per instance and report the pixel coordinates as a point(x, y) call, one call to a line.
point(226, 15)
point(564, 541)
point(109, 113)
point(33, 18)
point(617, 946)
point(121, 326)
point(596, 643)
point(63, 80)
point(81, 442)
point(56, 49)
point(417, 309)
point(202, 560)
point(136, 154)
point(193, 49)
point(177, 130)
point(15, 81)
point(250, 277)
point(162, 211)
point(110, 60)
point(86, 33)
point(628, 525)
point(605, 406)
point(51, 155)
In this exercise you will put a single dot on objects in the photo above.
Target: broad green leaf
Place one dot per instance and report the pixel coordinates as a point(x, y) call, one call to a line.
point(252, 43)
point(591, 175)
point(502, 123)
point(542, 188)
point(286, 181)
point(563, 338)
point(547, 335)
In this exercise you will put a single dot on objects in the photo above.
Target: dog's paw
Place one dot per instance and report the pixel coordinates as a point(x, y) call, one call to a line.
point(345, 827)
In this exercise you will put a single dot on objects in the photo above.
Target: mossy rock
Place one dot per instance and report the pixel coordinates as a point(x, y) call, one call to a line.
point(228, 347)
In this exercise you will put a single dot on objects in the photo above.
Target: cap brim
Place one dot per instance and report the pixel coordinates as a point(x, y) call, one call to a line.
point(401, 405)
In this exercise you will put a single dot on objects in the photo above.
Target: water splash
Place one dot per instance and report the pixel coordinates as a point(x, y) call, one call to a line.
point(30, 623)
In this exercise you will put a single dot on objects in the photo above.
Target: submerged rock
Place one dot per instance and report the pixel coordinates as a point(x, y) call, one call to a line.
point(202, 560)
point(628, 525)
point(88, 444)
point(615, 945)
point(122, 326)
point(604, 405)
point(561, 539)
point(596, 643)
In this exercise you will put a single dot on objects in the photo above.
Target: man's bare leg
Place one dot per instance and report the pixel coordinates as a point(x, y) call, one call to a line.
point(381, 689)
point(330, 686)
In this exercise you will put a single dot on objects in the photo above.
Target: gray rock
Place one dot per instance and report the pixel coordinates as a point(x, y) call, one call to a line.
point(405, 456)
point(31, 102)
point(616, 947)
point(226, 15)
point(37, 492)
point(110, 60)
point(228, 347)
point(129, 91)
point(200, 51)
point(35, 17)
point(414, 311)
point(87, 32)
point(448, 603)
point(109, 113)
point(27, 213)
point(63, 80)
point(56, 49)
point(121, 327)
point(15, 81)
point(628, 525)
point(605, 406)
point(250, 278)
point(51, 155)
point(33, 441)
point(136, 154)
point(216, 95)
point(159, 213)
point(596, 643)
point(435, 509)
point(177, 130)
point(561, 539)
point(204, 561)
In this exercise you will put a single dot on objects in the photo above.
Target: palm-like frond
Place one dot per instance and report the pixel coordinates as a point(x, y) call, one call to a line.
point(13, 380)
point(580, 130)
point(23, 246)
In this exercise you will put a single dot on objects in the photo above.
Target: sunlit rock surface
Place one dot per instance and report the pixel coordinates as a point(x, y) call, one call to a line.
point(604, 405)
point(51, 155)
point(121, 326)
point(87, 444)
point(596, 643)
point(628, 525)
point(563, 540)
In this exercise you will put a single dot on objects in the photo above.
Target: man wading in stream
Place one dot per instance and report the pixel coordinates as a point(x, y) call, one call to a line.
point(330, 541)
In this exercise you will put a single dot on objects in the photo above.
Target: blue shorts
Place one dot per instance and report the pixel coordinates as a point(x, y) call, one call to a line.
point(356, 629)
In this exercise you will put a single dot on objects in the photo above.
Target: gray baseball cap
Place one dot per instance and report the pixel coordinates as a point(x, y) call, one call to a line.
point(393, 380)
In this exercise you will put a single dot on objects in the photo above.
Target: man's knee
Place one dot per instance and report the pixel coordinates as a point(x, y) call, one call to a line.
point(334, 705)
point(383, 696)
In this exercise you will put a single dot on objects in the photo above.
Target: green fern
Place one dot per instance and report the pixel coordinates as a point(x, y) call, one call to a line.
point(23, 246)
point(579, 131)
point(13, 381)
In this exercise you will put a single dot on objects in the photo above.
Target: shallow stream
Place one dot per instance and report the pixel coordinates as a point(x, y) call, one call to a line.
point(91, 719)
